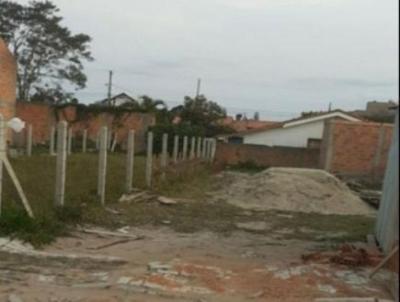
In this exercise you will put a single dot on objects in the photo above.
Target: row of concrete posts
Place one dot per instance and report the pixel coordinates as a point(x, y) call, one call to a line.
point(200, 148)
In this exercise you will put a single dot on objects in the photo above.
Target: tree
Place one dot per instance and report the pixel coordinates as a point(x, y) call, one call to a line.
point(147, 104)
point(256, 116)
point(202, 113)
point(47, 53)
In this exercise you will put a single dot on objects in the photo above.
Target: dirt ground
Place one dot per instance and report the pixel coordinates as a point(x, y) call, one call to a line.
point(167, 266)
point(195, 251)
point(291, 189)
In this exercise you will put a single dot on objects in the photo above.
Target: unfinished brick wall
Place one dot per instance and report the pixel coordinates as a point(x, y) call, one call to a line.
point(356, 148)
point(40, 116)
point(231, 154)
point(8, 75)
point(43, 117)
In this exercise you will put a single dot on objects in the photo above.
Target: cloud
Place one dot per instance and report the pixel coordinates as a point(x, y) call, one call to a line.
point(340, 82)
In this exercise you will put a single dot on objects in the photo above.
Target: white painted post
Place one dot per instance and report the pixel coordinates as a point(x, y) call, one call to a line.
point(2, 154)
point(52, 140)
point(164, 156)
point(198, 155)
point(176, 149)
point(84, 141)
point(29, 141)
point(185, 148)
point(101, 181)
point(69, 141)
point(149, 160)
point(61, 163)
point(192, 148)
point(130, 161)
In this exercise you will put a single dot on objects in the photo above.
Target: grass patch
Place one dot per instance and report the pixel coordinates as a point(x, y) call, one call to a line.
point(247, 167)
point(37, 177)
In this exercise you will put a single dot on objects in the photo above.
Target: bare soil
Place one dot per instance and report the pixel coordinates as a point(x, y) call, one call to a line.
point(166, 266)
point(291, 189)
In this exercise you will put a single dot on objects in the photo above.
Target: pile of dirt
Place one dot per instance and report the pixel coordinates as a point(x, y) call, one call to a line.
point(291, 189)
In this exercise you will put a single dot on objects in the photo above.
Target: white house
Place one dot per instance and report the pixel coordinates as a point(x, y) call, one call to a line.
point(301, 132)
point(117, 100)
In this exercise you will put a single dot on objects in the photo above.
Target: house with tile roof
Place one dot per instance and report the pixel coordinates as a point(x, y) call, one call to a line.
point(300, 132)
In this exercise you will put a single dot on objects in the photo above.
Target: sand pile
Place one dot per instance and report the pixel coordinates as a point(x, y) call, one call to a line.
point(291, 189)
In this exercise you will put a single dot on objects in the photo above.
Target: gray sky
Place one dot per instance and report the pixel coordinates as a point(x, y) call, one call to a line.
point(279, 57)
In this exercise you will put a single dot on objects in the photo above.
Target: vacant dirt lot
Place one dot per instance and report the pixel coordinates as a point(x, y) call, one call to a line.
point(198, 250)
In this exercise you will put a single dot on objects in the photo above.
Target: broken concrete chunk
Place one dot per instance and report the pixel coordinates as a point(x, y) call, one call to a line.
point(14, 298)
point(158, 267)
point(136, 197)
point(252, 226)
point(166, 200)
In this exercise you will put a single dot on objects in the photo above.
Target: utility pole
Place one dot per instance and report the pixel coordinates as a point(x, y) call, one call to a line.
point(110, 75)
point(330, 107)
point(198, 87)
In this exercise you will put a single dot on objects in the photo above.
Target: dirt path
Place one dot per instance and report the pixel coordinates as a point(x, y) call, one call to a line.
point(166, 266)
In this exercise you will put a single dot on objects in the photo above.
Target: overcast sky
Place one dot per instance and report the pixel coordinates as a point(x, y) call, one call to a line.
point(279, 57)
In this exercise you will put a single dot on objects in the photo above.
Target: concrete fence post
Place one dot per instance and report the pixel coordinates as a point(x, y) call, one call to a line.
point(2, 154)
point(192, 148)
point(185, 148)
point(52, 140)
point(114, 142)
point(204, 148)
point(164, 156)
point(101, 182)
point(149, 160)
point(176, 149)
point(213, 149)
point(61, 164)
point(198, 153)
point(29, 141)
point(84, 141)
point(130, 161)
point(69, 141)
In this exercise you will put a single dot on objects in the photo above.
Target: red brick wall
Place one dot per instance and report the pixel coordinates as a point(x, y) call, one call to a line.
point(43, 117)
point(357, 148)
point(40, 116)
point(8, 75)
point(232, 154)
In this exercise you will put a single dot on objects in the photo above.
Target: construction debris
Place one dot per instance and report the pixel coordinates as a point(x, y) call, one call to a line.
point(19, 248)
point(351, 300)
point(101, 233)
point(166, 200)
point(346, 255)
point(137, 197)
point(103, 246)
point(290, 189)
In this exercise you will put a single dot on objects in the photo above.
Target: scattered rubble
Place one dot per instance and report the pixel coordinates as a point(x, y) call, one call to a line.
point(14, 298)
point(19, 248)
point(291, 189)
point(346, 255)
point(252, 226)
point(166, 200)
